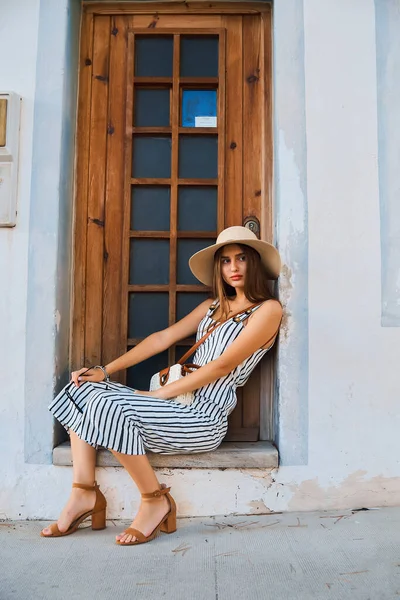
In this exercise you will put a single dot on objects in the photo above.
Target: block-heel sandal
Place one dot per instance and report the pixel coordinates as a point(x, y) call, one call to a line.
point(98, 514)
point(166, 525)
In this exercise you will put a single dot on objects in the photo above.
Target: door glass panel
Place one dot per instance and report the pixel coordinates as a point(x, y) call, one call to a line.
point(138, 377)
point(150, 206)
point(181, 351)
point(153, 56)
point(199, 56)
point(152, 108)
point(149, 262)
point(148, 312)
point(198, 157)
point(185, 250)
point(151, 157)
point(197, 208)
point(199, 108)
point(187, 301)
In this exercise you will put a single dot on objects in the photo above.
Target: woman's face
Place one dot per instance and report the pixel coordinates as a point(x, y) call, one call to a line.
point(233, 265)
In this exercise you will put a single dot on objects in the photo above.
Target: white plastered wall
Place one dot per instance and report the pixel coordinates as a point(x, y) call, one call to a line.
point(353, 442)
point(18, 21)
point(352, 421)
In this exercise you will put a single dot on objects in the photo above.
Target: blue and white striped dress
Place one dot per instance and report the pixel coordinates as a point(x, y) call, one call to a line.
point(114, 416)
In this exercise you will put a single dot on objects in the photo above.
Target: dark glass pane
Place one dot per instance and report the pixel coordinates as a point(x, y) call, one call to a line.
point(199, 108)
point(185, 250)
point(181, 351)
point(199, 56)
point(138, 377)
point(151, 157)
point(149, 262)
point(198, 157)
point(151, 108)
point(197, 208)
point(187, 301)
point(153, 56)
point(147, 313)
point(150, 208)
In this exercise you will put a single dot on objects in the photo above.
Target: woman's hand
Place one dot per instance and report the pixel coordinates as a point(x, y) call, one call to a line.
point(93, 374)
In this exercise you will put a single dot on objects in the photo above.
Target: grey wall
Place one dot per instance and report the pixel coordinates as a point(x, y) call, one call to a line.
point(387, 22)
point(48, 299)
point(290, 181)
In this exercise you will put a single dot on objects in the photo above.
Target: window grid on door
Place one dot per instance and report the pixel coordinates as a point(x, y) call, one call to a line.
point(169, 186)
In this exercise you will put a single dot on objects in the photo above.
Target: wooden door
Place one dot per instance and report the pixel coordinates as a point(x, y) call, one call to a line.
point(157, 180)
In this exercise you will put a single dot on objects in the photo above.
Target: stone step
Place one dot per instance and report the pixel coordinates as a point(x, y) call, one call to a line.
point(230, 455)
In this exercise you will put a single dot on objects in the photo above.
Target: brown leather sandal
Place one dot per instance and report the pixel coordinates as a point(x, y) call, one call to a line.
point(166, 525)
point(98, 514)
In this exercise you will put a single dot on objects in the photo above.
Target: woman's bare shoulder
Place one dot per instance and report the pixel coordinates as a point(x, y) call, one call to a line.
point(204, 306)
point(270, 308)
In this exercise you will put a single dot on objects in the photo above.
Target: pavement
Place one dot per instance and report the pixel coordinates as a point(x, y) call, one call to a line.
point(326, 555)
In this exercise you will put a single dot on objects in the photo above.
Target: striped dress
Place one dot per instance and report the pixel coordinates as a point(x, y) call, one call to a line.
point(114, 416)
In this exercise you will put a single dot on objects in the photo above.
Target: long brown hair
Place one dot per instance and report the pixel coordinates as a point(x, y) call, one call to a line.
point(256, 286)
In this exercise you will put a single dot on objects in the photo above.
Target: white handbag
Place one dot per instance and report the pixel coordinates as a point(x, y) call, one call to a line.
point(180, 369)
point(169, 375)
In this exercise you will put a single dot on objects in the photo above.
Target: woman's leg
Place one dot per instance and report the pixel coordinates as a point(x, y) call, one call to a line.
point(84, 460)
point(151, 511)
point(80, 501)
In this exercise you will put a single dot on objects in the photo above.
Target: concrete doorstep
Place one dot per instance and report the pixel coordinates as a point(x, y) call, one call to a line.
point(326, 555)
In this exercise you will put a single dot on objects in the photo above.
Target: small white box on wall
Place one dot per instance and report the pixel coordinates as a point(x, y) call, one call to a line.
point(10, 111)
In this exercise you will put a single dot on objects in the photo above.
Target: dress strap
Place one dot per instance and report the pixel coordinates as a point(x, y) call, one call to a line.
point(247, 313)
point(213, 307)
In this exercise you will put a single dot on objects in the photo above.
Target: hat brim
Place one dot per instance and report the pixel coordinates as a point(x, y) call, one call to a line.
point(202, 263)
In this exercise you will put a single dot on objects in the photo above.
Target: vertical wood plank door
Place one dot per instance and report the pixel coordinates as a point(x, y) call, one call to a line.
point(174, 145)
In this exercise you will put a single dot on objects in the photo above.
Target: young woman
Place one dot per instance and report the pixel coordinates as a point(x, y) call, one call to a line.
point(98, 412)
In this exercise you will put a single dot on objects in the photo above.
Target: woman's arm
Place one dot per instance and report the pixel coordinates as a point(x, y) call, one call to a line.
point(262, 326)
point(153, 344)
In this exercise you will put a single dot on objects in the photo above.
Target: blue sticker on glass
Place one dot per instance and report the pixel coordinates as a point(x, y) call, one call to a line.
point(199, 108)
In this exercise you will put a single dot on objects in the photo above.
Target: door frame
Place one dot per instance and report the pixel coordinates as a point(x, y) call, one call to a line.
point(203, 7)
point(90, 10)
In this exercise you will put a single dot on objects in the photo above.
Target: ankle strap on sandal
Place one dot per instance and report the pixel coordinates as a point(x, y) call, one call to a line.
point(83, 486)
point(157, 493)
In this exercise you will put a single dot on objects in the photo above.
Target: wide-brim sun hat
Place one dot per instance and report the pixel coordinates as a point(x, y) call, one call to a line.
point(202, 263)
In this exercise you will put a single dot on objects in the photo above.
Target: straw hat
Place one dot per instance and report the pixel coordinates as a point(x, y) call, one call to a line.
point(202, 263)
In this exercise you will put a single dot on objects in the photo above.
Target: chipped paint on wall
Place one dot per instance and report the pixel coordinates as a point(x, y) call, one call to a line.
point(199, 492)
point(355, 491)
point(57, 320)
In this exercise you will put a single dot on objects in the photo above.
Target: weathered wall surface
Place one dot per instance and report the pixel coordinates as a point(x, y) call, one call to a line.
point(348, 376)
point(18, 20)
point(337, 138)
